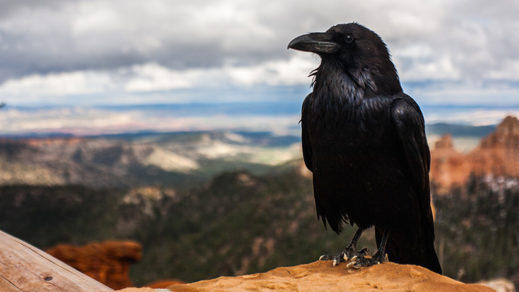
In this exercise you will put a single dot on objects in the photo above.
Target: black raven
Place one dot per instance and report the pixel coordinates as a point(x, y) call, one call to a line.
point(364, 141)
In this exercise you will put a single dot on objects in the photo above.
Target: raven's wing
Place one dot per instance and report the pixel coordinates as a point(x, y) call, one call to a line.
point(307, 149)
point(409, 124)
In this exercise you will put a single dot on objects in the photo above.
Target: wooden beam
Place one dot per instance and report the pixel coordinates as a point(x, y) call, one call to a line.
point(24, 267)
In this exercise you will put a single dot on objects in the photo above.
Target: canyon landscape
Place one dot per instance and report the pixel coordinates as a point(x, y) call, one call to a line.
point(199, 205)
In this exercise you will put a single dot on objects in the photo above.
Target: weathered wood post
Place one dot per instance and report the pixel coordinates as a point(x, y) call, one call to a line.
point(24, 267)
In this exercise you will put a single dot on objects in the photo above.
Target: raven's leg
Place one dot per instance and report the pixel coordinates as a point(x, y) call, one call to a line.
point(377, 258)
point(349, 252)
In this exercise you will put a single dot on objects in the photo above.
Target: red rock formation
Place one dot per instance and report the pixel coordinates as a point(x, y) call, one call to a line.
point(505, 136)
point(497, 155)
point(448, 166)
point(108, 262)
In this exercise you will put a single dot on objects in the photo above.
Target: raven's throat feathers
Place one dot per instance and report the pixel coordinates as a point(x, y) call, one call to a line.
point(333, 81)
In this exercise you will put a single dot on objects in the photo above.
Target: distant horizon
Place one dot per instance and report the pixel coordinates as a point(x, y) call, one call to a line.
point(280, 118)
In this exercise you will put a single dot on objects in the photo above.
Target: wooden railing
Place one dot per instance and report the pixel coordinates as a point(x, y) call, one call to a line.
point(24, 267)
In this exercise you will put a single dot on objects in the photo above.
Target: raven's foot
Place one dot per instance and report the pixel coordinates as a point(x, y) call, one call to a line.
point(348, 254)
point(363, 261)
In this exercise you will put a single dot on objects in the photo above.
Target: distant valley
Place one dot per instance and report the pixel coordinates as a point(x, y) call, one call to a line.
point(140, 159)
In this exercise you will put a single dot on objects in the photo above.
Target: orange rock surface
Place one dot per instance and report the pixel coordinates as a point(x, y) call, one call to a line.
point(497, 155)
point(108, 262)
point(321, 276)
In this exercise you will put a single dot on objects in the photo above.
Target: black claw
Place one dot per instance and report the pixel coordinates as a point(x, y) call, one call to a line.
point(325, 257)
point(357, 258)
point(335, 258)
point(349, 254)
point(367, 262)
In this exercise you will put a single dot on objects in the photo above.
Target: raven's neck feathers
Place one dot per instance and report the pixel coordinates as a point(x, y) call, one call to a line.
point(356, 82)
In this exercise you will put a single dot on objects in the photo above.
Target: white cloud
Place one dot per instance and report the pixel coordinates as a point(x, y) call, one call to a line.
point(152, 77)
point(278, 72)
point(59, 84)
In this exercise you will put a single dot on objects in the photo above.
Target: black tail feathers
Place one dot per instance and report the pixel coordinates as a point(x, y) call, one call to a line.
point(430, 260)
point(405, 250)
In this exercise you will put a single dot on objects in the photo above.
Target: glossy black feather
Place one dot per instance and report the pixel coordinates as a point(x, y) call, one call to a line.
point(365, 143)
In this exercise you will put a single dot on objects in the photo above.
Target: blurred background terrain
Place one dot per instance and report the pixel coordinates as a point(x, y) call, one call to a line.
point(162, 136)
point(200, 213)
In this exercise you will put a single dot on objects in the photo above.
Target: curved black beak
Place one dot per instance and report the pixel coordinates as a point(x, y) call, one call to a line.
point(316, 42)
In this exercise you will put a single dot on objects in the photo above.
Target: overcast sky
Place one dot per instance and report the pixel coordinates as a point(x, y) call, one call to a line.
point(91, 52)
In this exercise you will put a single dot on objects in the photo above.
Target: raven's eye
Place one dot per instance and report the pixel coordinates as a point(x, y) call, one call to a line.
point(348, 39)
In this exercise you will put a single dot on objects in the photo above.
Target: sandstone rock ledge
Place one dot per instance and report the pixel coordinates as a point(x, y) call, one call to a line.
point(321, 276)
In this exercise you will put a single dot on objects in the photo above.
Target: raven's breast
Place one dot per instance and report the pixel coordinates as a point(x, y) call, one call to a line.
point(355, 162)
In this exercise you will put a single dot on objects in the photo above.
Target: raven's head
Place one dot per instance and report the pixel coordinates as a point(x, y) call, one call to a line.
point(356, 50)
